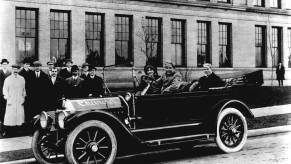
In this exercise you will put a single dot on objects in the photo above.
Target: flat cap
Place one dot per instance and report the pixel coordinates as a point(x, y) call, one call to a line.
point(37, 63)
point(15, 66)
point(85, 64)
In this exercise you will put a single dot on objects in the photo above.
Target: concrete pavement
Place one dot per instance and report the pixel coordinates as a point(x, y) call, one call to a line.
point(24, 143)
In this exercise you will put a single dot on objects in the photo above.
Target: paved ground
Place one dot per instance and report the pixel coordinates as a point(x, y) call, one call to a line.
point(268, 120)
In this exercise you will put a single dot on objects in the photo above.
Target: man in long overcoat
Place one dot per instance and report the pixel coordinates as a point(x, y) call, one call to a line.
point(280, 71)
point(39, 86)
point(14, 93)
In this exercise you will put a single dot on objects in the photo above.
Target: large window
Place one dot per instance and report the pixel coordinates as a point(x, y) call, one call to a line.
point(289, 47)
point(275, 3)
point(153, 40)
point(259, 3)
point(276, 45)
point(178, 42)
point(94, 39)
point(60, 35)
point(203, 43)
point(260, 43)
point(123, 40)
point(225, 59)
point(26, 34)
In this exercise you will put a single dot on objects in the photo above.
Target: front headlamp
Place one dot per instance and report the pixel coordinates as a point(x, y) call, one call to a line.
point(61, 117)
point(128, 96)
point(44, 119)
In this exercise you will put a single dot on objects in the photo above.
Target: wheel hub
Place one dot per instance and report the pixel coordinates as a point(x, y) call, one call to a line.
point(93, 147)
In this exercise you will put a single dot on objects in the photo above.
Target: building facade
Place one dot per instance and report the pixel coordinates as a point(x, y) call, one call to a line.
point(126, 34)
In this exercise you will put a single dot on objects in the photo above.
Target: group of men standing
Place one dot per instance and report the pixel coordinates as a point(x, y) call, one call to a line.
point(30, 90)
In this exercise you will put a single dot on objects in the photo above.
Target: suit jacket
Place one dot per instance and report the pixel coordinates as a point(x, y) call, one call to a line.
point(55, 93)
point(28, 75)
point(3, 76)
point(38, 89)
point(209, 81)
point(280, 72)
point(74, 88)
point(94, 86)
point(64, 73)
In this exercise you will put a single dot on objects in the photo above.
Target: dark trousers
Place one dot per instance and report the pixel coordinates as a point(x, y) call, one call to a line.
point(2, 108)
point(280, 82)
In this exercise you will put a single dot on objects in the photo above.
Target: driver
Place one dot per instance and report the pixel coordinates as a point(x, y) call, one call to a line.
point(210, 79)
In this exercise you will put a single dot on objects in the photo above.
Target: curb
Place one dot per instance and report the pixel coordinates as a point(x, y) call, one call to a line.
point(251, 133)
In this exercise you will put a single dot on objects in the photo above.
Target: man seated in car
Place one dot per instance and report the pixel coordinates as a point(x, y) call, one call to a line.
point(171, 81)
point(209, 80)
point(148, 84)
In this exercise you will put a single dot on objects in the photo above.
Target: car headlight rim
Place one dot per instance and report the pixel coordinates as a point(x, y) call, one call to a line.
point(61, 119)
point(44, 120)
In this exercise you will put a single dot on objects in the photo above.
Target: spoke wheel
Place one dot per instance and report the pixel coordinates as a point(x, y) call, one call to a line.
point(48, 148)
point(91, 142)
point(231, 130)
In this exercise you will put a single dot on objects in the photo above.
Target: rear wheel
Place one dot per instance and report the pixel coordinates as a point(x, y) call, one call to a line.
point(231, 130)
point(91, 142)
point(48, 148)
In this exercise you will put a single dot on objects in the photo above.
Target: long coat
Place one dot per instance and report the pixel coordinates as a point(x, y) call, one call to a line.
point(94, 86)
point(14, 93)
point(280, 71)
point(55, 93)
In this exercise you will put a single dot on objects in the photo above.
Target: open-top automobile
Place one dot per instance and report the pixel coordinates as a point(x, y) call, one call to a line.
point(98, 130)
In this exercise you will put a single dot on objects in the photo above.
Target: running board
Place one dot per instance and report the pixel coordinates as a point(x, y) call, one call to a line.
point(180, 139)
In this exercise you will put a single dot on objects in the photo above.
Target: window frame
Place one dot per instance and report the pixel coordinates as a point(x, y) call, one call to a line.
point(228, 45)
point(279, 40)
point(102, 36)
point(183, 40)
point(208, 44)
point(36, 37)
point(69, 39)
point(263, 42)
point(159, 58)
point(130, 59)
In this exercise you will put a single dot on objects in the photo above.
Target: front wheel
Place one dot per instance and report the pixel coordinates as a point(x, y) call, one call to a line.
point(231, 130)
point(48, 147)
point(91, 142)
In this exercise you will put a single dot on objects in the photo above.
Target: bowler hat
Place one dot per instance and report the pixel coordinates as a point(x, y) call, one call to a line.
point(26, 61)
point(69, 61)
point(36, 63)
point(4, 61)
point(91, 68)
point(15, 66)
point(74, 68)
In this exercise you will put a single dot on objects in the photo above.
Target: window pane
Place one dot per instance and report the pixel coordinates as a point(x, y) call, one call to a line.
point(203, 44)
point(60, 47)
point(224, 45)
point(25, 34)
point(122, 40)
point(178, 42)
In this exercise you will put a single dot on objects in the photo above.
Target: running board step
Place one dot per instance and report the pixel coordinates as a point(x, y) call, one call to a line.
point(173, 140)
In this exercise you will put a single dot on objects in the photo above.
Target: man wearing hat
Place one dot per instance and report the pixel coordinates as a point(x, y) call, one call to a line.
point(4, 73)
point(14, 93)
point(27, 74)
point(39, 86)
point(50, 64)
point(93, 84)
point(74, 84)
point(85, 71)
point(66, 72)
point(210, 79)
point(56, 90)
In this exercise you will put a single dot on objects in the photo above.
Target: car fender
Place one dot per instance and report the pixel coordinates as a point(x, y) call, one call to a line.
point(120, 130)
point(223, 104)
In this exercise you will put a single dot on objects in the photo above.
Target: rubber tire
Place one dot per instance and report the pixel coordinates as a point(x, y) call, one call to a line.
point(36, 152)
point(72, 136)
point(219, 143)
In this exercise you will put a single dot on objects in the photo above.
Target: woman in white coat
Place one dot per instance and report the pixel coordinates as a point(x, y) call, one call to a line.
point(14, 93)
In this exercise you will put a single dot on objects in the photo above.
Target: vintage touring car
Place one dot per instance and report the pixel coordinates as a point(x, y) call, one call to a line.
point(97, 130)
